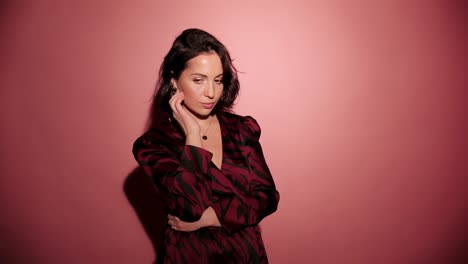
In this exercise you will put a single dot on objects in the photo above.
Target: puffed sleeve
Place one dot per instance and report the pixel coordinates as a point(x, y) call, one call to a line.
point(181, 178)
point(236, 211)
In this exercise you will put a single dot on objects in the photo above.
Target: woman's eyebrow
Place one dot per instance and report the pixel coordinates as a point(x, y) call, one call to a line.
point(204, 75)
point(199, 74)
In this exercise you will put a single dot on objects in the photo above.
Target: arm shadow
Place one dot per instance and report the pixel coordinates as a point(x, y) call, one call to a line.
point(148, 206)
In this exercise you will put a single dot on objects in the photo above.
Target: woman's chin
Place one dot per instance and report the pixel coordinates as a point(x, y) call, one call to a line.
point(201, 113)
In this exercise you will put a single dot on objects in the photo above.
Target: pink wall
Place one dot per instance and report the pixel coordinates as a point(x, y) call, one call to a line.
point(362, 108)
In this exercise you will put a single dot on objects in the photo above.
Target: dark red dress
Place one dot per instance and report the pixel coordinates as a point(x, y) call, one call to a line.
point(242, 192)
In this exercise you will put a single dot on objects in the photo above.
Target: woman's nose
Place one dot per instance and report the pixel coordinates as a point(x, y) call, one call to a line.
point(210, 90)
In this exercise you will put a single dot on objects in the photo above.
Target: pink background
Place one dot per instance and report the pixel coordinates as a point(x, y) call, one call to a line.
point(362, 106)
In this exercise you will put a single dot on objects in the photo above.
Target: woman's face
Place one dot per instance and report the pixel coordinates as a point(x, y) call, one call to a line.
point(202, 83)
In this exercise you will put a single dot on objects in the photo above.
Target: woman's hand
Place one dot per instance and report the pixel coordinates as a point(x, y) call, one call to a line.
point(208, 218)
point(183, 116)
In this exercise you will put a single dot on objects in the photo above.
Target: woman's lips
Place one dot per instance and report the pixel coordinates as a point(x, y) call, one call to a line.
point(208, 106)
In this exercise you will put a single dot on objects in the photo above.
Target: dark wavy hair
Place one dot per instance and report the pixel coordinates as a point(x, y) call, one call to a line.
point(189, 44)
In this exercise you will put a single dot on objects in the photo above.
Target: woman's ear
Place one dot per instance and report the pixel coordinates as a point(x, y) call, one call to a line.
point(173, 83)
point(173, 87)
point(173, 80)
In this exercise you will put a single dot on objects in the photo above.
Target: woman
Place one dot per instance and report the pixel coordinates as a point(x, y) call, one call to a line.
point(206, 162)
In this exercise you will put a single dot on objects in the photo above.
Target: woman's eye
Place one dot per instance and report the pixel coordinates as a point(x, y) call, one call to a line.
point(197, 81)
point(219, 81)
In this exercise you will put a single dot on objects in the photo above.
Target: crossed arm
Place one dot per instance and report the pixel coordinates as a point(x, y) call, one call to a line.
point(186, 189)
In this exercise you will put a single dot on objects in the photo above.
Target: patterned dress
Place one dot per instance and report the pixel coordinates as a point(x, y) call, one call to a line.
point(241, 192)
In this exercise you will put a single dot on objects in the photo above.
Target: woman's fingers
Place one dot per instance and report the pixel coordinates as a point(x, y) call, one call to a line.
point(178, 110)
point(176, 102)
point(180, 225)
point(177, 107)
point(173, 221)
point(182, 115)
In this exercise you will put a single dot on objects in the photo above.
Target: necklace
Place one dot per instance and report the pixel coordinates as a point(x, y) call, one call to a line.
point(205, 137)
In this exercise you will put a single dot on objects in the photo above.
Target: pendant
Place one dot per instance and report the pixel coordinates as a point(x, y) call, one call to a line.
point(204, 137)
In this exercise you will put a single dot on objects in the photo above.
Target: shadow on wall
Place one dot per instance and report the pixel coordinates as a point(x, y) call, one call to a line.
point(148, 206)
point(459, 252)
